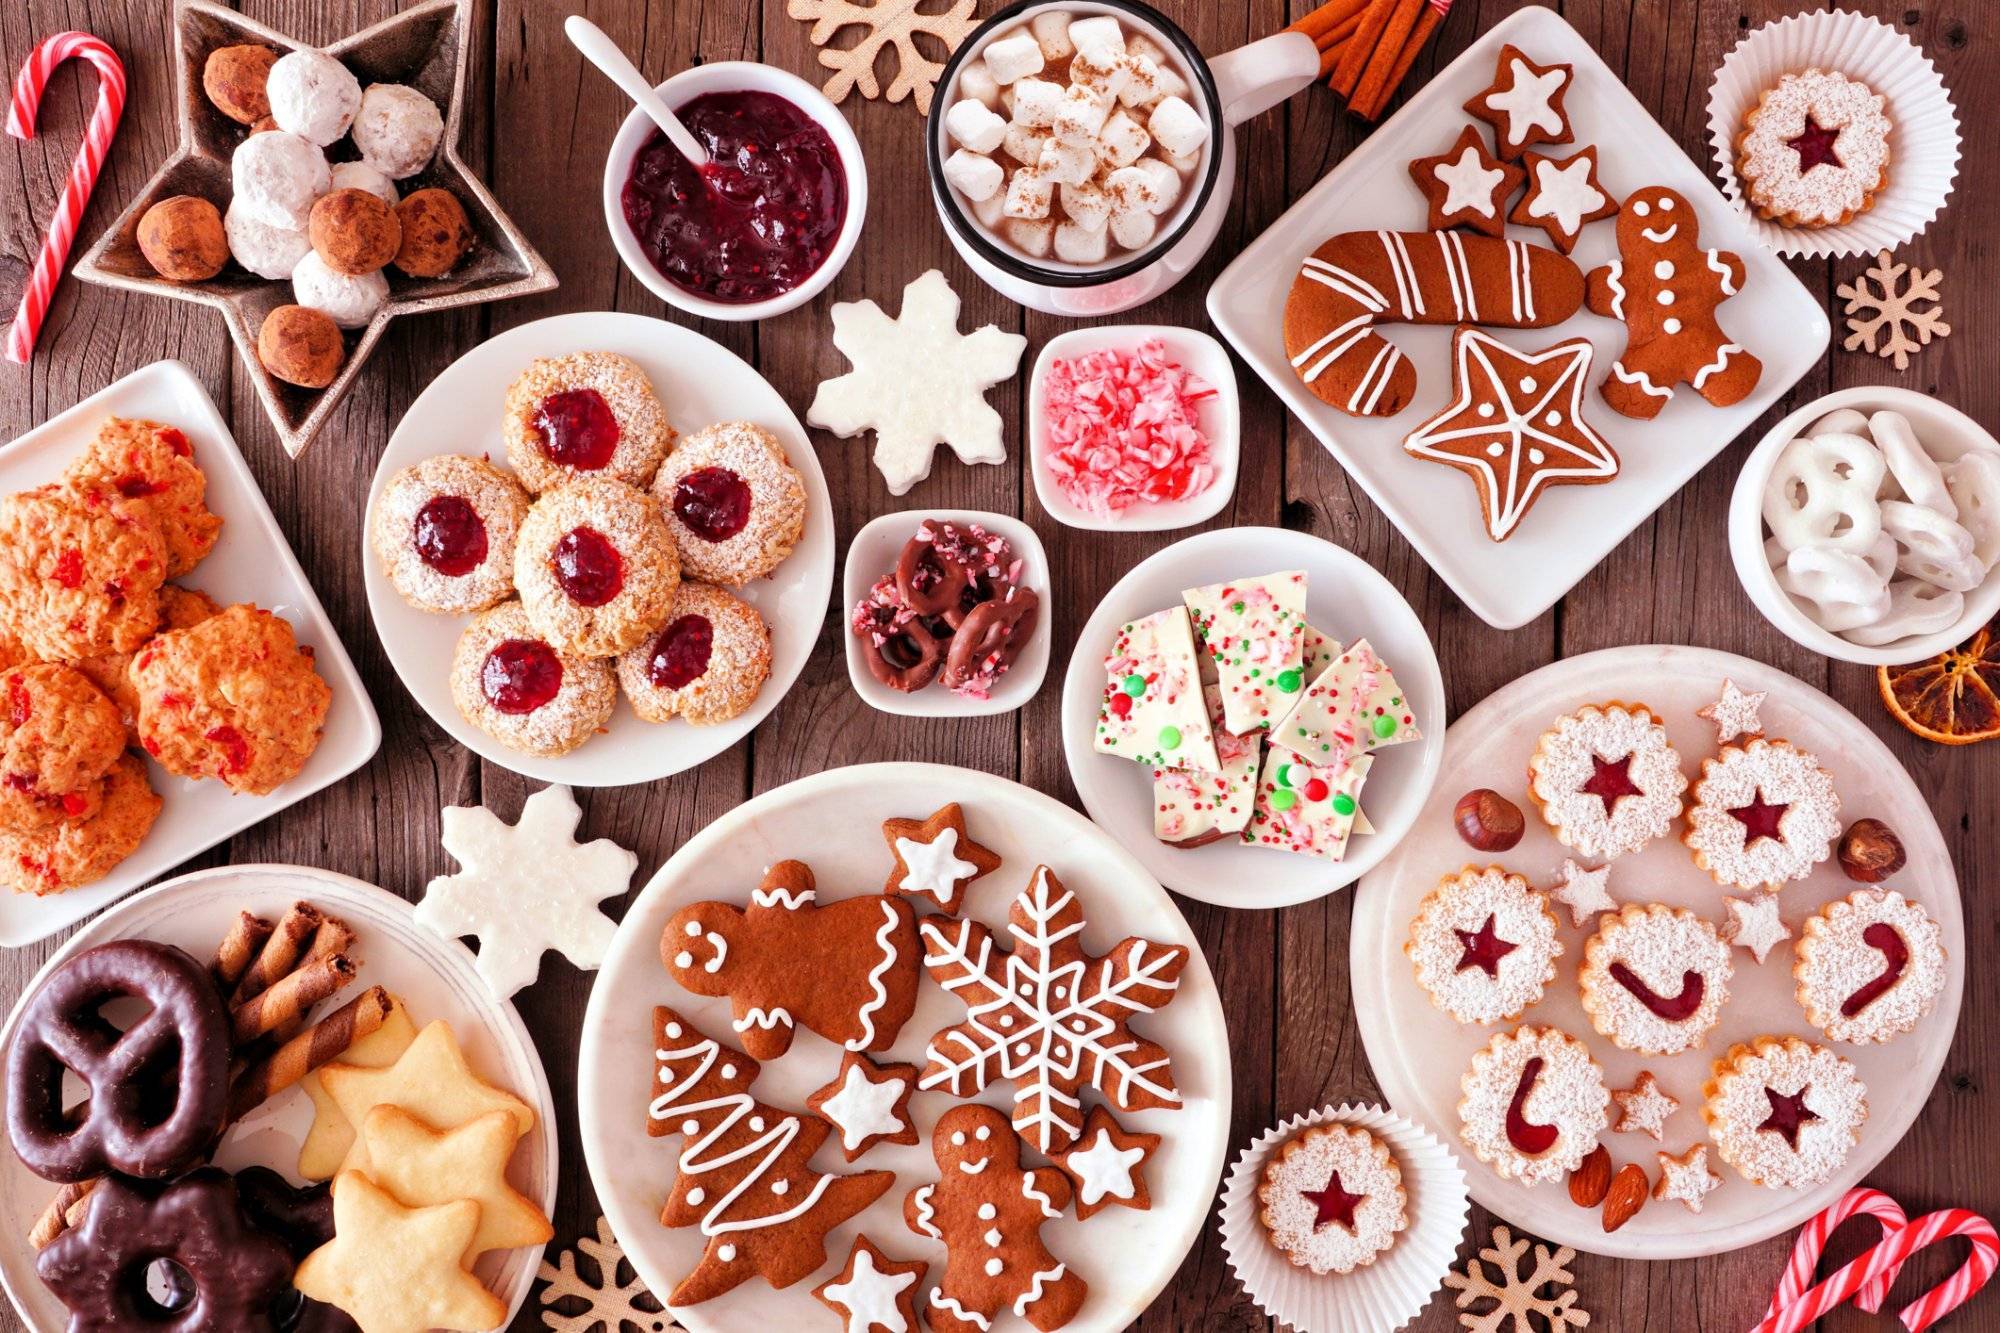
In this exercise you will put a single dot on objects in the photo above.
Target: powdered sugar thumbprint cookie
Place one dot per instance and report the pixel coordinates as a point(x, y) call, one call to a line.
point(589, 414)
point(735, 503)
point(1534, 1104)
point(706, 664)
point(1333, 1199)
point(1869, 966)
point(1654, 979)
point(1606, 780)
point(1784, 1112)
point(1484, 945)
point(444, 530)
point(515, 686)
point(596, 567)
point(1764, 813)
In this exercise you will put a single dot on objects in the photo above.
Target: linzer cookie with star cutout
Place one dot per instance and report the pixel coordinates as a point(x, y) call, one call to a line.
point(1783, 1111)
point(1814, 150)
point(1534, 1104)
point(1333, 1199)
point(1606, 780)
point(1152, 710)
point(1654, 978)
point(1484, 945)
point(1869, 966)
point(1254, 630)
point(1764, 813)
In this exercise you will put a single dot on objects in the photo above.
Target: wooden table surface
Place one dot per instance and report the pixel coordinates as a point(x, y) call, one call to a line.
point(537, 125)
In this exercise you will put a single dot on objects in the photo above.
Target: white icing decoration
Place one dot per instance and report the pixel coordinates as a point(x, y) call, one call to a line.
point(1468, 185)
point(780, 1186)
point(1722, 271)
point(779, 896)
point(1526, 102)
point(1639, 378)
point(869, 1297)
point(994, 1267)
point(921, 1201)
point(697, 1194)
point(1028, 1191)
point(975, 1168)
point(1664, 269)
point(1660, 237)
point(1721, 358)
point(972, 1317)
point(1671, 326)
point(684, 959)
point(694, 928)
point(885, 940)
point(1103, 1169)
point(1612, 273)
point(987, 1212)
point(993, 1237)
point(1034, 1292)
point(1564, 192)
point(726, 1253)
point(933, 867)
point(863, 1109)
point(761, 1018)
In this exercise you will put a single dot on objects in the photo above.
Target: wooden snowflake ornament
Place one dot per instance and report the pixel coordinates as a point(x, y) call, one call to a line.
point(612, 1302)
point(888, 23)
point(1518, 1296)
point(1896, 307)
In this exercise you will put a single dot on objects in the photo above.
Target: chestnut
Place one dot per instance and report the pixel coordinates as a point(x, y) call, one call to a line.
point(1487, 820)
point(1870, 851)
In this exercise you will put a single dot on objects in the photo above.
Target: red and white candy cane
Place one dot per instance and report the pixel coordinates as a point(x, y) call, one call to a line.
point(1872, 1270)
point(1812, 1240)
point(82, 180)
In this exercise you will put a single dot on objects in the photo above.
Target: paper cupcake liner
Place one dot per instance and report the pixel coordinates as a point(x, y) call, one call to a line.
point(1383, 1295)
point(1923, 135)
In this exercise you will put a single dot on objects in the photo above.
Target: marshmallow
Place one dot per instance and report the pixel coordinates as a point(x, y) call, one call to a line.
point(974, 125)
point(312, 95)
point(1186, 164)
point(361, 176)
point(397, 129)
point(1139, 44)
point(1106, 77)
point(976, 81)
point(1013, 57)
point(1079, 245)
point(1131, 190)
point(277, 177)
point(1007, 101)
point(1100, 38)
point(348, 301)
point(1051, 29)
point(1086, 204)
point(974, 175)
point(1142, 82)
point(1122, 140)
point(1081, 114)
point(1032, 237)
point(1166, 184)
point(1066, 163)
point(1134, 231)
point(1028, 195)
point(1036, 102)
point(992, 210)
point(1167, 79)
point(269, 252)
point(1178, 126)
point(1023, 144)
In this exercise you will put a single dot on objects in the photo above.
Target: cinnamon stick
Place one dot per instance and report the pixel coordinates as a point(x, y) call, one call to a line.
point(1334, 43)
point(1327, 17)
point(286, 1002)
point(1361, 46)
point(326, 1040)
point(1413, 45)
point(280, 952)
point(1375, 73)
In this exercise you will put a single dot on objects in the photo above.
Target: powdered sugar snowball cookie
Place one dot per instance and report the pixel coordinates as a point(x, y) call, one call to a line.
point(1534, 1104)
point(584, 415)
point(596, 567)
point(397, 129)
point(867, 1104)
point(1868, 966)
point(512, 684)
point(444, 530)
point(1654, 979)
point(1333, 1199)
point(277, 177)
point(1814, 150)
point(706, 664)
point(1783, 1111)
point(735, 503)
point(349, 300)
point(312, 95)
point(268, 251)
point(1606, 780)
point(361, 176)
point(1484, 945)
point(1764, 813)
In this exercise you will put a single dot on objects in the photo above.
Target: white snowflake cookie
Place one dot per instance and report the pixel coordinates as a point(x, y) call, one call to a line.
point(1333, 1199)
point(1654, 979)
point(1534, 1104)
point(1784, 1112)
point(1484, 945)
point(1869, 967)
point(1764, 813)
point(1606, 780)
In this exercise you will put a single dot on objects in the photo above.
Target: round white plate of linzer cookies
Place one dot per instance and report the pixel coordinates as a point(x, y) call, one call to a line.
point(599, 549)
point(1675, 952)
point(991, 1030)
point(194, 1050)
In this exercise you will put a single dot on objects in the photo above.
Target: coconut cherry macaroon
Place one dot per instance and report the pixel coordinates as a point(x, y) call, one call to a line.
point(1484, 945)
point(706, 664)
point(445, 529)
point(1783, 1111)
point(1654, 979)
point(588, 414)
point(1534, 1104)
point(1764, 813)
point(1606, 780)
point(512, 684)
point(1868, 966)
point(734, 502)
point(596, 567)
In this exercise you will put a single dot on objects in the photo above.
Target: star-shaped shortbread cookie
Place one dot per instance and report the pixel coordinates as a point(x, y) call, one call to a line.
point(397, 1269)
point(421, 1166)
point(431, 1081)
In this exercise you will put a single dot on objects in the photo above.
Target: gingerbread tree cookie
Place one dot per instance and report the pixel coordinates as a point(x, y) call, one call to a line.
point(745, 1177)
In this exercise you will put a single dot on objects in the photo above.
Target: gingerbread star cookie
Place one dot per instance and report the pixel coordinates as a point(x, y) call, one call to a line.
point(1467, 186)
point(397, 1269)
point(1564, 195)
point(1107, 1165)
point(422, 1166)
point(1524, 103)
point(874, 1293)
point(431, 1080)
point(935, 859)
point(867, 1104)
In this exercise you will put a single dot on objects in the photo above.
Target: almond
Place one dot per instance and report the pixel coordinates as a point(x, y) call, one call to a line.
point(1589, 1182)
point(1626, 1197)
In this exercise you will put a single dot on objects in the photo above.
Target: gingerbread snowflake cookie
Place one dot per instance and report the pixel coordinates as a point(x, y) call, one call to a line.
point(867, 1103)
point(1484, 945)
point(1869, 966)
point(1606, 780)
point(1654, 979)
point(1466, 186)
point(1764, 813)
point(1524, 103)
point(935, 860)
point(1333, 1199)
point(1814, 150)
point(1534, 1103)
point(1783, 1111)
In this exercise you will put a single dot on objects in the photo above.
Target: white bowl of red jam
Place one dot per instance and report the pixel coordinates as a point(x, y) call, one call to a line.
point(772, 218)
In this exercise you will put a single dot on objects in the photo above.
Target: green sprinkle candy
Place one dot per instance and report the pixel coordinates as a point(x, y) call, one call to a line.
point(1343, 804)
point(1285, 777)
point(1283, 800)
point(1135, 685)
point(1170, 738)
point(1289, 681)
point(1385, 726)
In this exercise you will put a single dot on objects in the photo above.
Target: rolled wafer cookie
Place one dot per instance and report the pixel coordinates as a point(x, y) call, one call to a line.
point(280, 952)
point(328, 1039)
point(1360, 279)
point(238, 950)
point(286, 1002)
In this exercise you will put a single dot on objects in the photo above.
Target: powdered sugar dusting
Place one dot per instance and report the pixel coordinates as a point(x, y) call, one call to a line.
point(581, 706)
point(1464, 902)
point(494, 495)
point(1686, 1178)
point(1569, 1093)
point(1643, 1108)
point(1562, 763)
point(630, 520)
point(1739, 1102)
point(1827, 193)
point(1834, 961)
point(1659, 945)
point(1358, 1163)
point(777, 502)
point(1778, 774)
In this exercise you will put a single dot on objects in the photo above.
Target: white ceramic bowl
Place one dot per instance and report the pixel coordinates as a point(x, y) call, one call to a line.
point(1946, 433)
point(1221, 422)
point(873, 553)
point(734, 76)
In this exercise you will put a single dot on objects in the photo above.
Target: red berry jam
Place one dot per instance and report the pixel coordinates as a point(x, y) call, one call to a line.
point(714, 503)
point(1482, 948)
point(1674, 1008)
point(1761, 819)
point(520, 675)
point(1895, 957)
point(1333, 1203)
point(577, 429)
point(680, 654)
point(759, 219)
point(449, 535)
point(588, 567)
point(1610, 781)
point(1789, 1113)
point(1525, 1135)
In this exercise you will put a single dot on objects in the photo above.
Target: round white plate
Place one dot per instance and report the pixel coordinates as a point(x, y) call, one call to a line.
point(435, 978)
point(700, 382)
point(1346, 598)
point(831, 821)
point(1418, 1054)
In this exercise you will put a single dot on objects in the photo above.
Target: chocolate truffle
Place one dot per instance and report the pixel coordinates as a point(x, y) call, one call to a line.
point(354, 231)
point(234, 76)
point(300, 346)
point(182, 239)
point(435, 233)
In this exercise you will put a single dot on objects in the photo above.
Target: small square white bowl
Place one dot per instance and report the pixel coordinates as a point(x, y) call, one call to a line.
point(1221, 422)
point(873, 553)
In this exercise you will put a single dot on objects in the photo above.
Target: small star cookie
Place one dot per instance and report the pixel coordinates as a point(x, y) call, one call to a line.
point(1107, 1165)
point(1643, 1108)
point(396, 1269)
point(935, 859)
point(431, 1080)
point(1583, 891)
point(867, 1104)
point(874, 1293)
point(1564, 195)
point(1686, 1177)
point(1735, 713)
point(1467, 186)
point(1524, 103)
point(421, 1166)
point(1754, 924)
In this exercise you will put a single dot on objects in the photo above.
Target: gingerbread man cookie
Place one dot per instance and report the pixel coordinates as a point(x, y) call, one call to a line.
point(848, 971)
point(989, 1210)
point(1666, 287)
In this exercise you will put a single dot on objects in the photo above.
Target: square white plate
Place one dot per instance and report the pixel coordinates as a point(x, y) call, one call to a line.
point(1571, 528)
point(251, 563)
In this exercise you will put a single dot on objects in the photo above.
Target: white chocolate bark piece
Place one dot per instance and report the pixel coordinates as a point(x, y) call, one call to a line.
point(1352, 707)
point(1308, 809)
point(1152, 710)
point(1255, 630)
point(1317, 652)
point(1192, 808)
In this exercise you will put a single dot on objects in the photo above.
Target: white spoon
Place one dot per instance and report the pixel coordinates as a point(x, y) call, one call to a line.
point(602, 52)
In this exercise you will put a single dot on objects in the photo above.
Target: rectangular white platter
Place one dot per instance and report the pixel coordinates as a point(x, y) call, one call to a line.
point(1571, 528)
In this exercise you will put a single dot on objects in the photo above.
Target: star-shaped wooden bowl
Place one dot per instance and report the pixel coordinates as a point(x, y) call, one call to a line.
point(424, 47)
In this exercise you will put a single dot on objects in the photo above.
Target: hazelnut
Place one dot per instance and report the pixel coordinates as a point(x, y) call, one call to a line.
point(354, 231)
point(182, 238)
point(1487, 820)
point(1870, 851)
point(301, 346)
point(234, 78)
point(435, 233)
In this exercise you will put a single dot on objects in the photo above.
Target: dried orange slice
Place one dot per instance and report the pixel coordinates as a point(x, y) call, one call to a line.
point(1954, 698)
